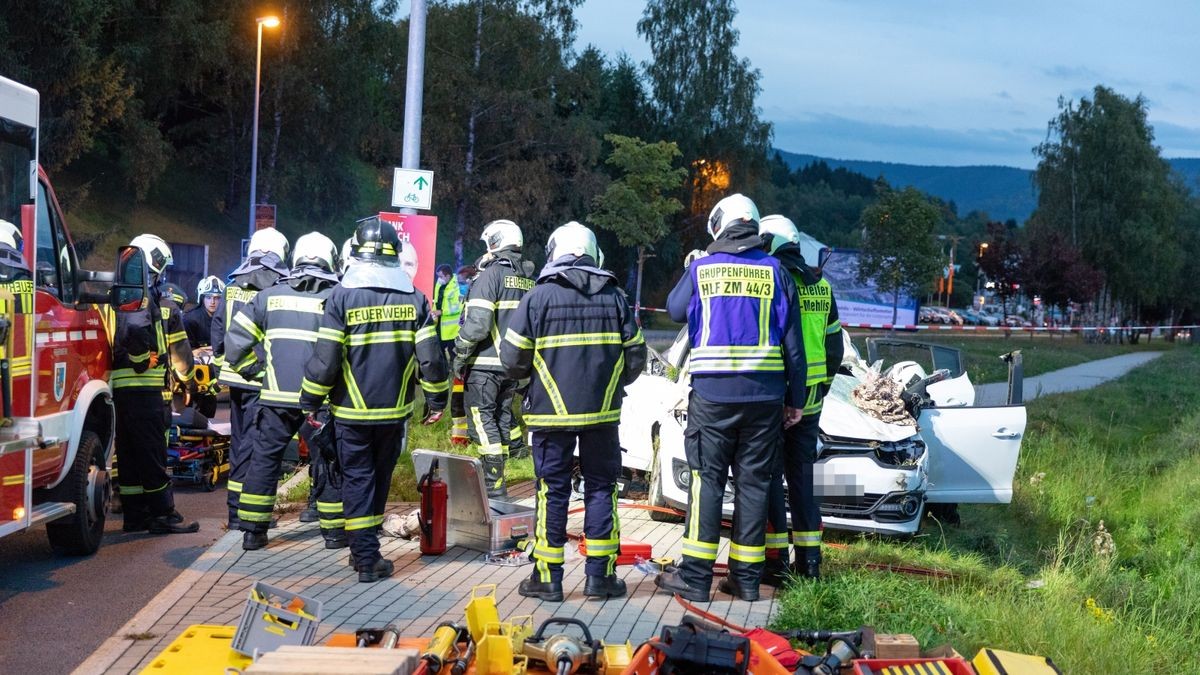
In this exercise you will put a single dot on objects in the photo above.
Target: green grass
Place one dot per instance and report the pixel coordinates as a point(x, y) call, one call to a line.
point(1041, 575)
point(1041, 354)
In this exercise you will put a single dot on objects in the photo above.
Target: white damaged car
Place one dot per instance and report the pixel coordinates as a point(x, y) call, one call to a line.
point(871, 476)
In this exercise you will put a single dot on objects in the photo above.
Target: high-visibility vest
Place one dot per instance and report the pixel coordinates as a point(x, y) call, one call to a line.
point(447, 300)
point(815, 302)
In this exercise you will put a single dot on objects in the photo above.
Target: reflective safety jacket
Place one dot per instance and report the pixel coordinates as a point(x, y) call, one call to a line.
point(253, 275)
point(575, 334)
point(819, 323)
point(285, 320)
point(447, 300)
point(495, 293)
point(739, 303)
point(143, 344)
point(374, 336)
point(198, 324)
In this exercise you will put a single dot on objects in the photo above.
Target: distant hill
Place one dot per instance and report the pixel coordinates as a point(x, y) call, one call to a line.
point(1002, 191)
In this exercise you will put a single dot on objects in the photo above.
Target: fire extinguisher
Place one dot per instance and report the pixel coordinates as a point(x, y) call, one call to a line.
point(433, 511)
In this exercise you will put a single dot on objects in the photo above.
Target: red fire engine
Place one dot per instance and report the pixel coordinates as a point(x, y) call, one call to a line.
point(56, 438)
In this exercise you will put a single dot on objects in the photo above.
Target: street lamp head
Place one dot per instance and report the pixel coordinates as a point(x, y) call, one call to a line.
point(268, 21)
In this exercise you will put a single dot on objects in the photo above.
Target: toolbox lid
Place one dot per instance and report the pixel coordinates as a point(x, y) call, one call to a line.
point(466, 495)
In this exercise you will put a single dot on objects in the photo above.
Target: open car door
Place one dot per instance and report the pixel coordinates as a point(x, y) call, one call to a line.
point(972, 453)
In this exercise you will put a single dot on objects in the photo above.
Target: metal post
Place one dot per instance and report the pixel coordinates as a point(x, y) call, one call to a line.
point(254, 148)
point(414, 89)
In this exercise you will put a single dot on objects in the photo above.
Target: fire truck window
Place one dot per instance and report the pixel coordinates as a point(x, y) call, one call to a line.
point(66, 259)
point(46, 260)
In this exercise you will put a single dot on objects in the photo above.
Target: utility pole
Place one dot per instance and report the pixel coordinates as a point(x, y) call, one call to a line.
point(414, 90)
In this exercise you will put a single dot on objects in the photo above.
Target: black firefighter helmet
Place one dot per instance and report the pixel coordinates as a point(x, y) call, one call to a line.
point(376, 241)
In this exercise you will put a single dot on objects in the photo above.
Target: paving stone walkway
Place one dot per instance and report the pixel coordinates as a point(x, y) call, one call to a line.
point(423, 592)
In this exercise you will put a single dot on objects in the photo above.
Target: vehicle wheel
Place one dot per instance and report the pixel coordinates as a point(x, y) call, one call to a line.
point(655, 498)
point(88, 488)
point(211, 475)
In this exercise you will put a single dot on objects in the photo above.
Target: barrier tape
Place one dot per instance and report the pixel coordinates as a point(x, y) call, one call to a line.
point(1031, 329)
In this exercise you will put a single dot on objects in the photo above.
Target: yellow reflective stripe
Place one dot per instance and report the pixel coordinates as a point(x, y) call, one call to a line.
point(257, 500)
point(481, 431)
point(332, 523)
point(15, 479)
point(484, 361)
point(764, 315)
point(578, 340)
point(517, 340)
point(480, 303)
point(356, 396)
point(735, 365)
point(508, 304)
point(139, 358)
point(153, 378)
point(234, 486)
point(777, 540)
point(600, 547)
point(372, 414)
point(812, 538)
point(699, 549)
point(747, 554)
point(172, 338)
point(331, 334)
point(130, 489)
point(291, 303)
point(254, 516)
point(573, 419)
point(835, 327)
point(277, 396)
point(380, 337)
point(409, 369)
point(611, 390)
point(693, 518)
point(246, 322)
point(543, 371)
point(329, 507)
point(361, 522)
point(427, 333)
point(550, 554)
point(291, 334)
point(637, 339)
point(250, 358)
point(434, 387)
point(737, 350)
point(310, 387)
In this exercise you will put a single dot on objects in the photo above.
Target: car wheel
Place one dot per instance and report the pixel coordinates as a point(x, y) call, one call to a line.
point(87, 487)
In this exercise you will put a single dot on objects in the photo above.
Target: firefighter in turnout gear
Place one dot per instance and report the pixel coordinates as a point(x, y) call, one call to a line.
point(285, 320)
point(823, 349)
point(146, 343)
point(447, 310)
point(262, 268)
point(575, 334)
point(504, 278)
point(376, 336)
point(747, 370)
point(199, 319)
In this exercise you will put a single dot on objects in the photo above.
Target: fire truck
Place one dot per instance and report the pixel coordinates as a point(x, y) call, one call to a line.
point(56, 435)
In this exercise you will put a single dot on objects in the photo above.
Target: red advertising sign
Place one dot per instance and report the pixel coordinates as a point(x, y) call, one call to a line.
point(264, 216)
point(418, 236)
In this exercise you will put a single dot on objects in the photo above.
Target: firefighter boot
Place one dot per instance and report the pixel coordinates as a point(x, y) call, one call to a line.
point(310, 514)
point(382, 569)
point(737, 590)
point(549, 591)
point(493, 476)
point(610, 586)
point(252, 541)
point(165, 525)
point(672, 581)
point(775, 572)
point(809, 567)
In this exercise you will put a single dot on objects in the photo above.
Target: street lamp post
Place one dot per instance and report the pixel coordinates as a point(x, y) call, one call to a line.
point(268, 22)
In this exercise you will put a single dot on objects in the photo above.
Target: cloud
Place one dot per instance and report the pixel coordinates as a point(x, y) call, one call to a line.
point(1072, 73)
point(1004, 95)
point(845, 138)
point(1176, 140)
point(1181, 88)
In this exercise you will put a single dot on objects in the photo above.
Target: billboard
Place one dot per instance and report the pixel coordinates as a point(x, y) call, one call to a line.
point(418, 252)
point(863, 302)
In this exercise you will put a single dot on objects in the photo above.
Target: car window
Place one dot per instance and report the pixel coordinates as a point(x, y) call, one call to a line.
point(45, 261)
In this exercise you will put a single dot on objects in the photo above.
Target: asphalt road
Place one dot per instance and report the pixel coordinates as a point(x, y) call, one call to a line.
point(55, 611)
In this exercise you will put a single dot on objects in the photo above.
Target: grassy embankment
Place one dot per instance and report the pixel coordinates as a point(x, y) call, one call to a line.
point(1095, 563)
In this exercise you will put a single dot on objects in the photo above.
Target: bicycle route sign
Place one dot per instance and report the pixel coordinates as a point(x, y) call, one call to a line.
point(412, 188)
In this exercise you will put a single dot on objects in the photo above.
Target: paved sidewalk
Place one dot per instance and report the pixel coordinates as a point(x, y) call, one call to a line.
point(1074, 378)
point(423, 592)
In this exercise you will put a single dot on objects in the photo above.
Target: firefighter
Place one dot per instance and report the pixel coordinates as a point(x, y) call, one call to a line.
point(576, 336)
point(746, 364)
point(198, 320)
point(285, 319)
point(264, 265)
point(375, 335)
point(504, 278)
point(822, 331)
point(447, 309)
point(146, 343)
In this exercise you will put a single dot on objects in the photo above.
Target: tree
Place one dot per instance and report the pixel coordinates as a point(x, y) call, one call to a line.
point(635, 207)
point(1104, 185)
point(1056, 270)
point(899, 252)
point(1002, 258)
point(703, 96)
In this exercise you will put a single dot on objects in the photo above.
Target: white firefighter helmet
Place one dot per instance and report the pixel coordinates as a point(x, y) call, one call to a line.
point(315, 248)
point(10, 235)
point(209, 285)
point(732, 209)
point(158, 254)
point(572, 239)
point(778, 230)
point(500, 234)
point(269, 240)
point(347, 250)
